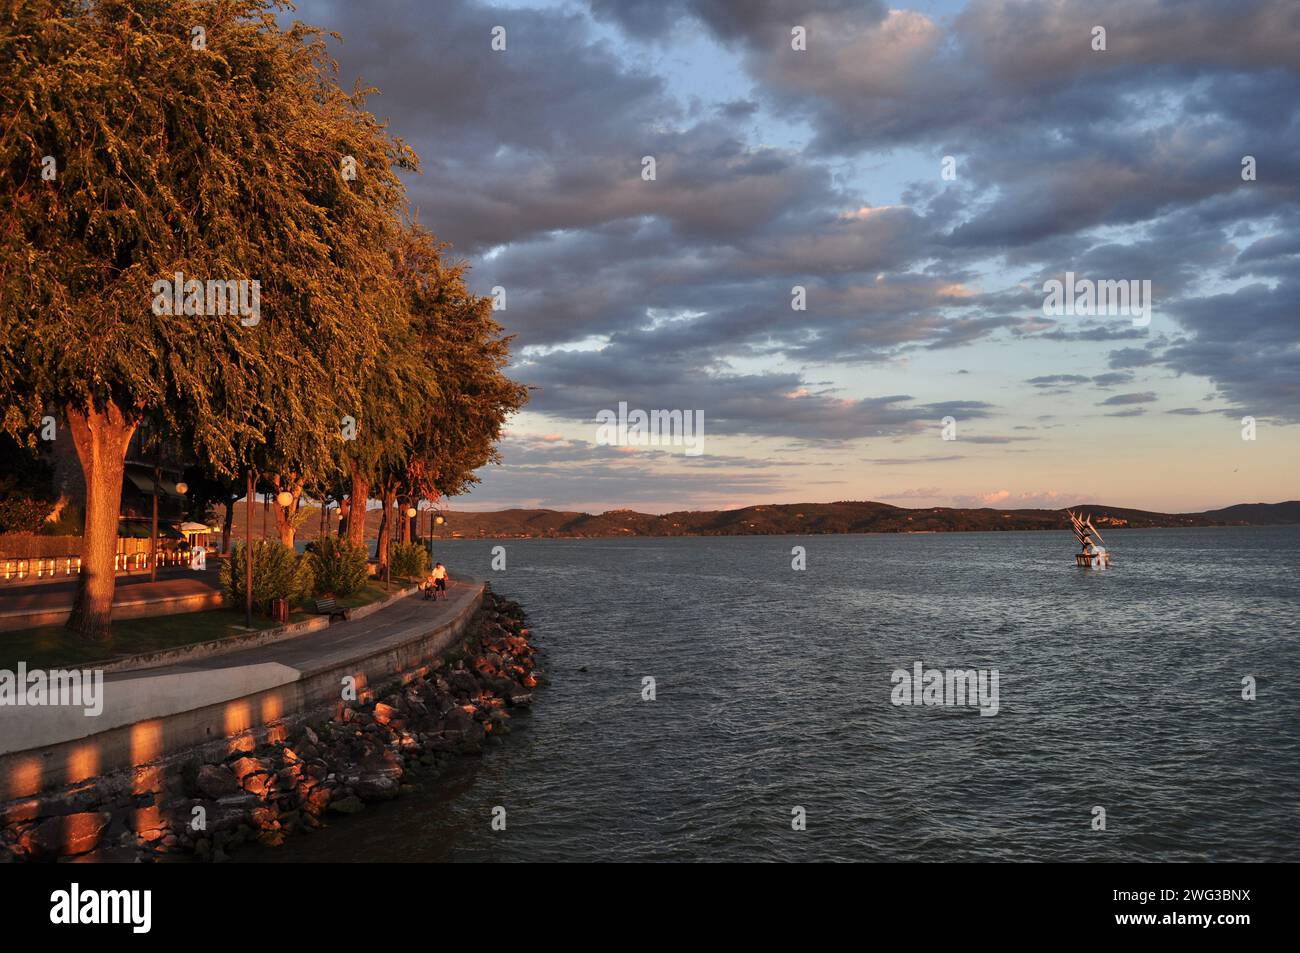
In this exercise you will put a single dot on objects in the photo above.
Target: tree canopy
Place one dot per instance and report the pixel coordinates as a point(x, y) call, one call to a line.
point(199, 227)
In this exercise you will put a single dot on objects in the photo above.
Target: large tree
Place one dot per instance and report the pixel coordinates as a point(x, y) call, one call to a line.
point(432, 411)
point(467, 352)
point(142, 139)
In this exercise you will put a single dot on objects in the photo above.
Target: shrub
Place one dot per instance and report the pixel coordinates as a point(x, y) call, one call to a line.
point(408, 560)
point(339, 568)
point(278, 573)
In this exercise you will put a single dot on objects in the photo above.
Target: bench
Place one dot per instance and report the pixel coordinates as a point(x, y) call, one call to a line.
point(331, 608)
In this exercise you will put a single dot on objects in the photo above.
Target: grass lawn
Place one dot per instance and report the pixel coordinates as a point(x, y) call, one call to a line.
point(53, 646)
point(374, 591)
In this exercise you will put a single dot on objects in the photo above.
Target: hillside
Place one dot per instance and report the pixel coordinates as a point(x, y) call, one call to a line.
point(810, 518)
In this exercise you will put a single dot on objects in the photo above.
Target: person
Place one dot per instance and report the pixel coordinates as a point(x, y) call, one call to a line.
point(439, 577)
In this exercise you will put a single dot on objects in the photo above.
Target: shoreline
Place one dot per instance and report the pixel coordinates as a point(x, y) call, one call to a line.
point(865, 532)
point(202, 807)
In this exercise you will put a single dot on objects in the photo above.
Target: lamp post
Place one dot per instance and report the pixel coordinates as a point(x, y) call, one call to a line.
point(181, 489)
point(285, 500)
point(153, 526)
point(248, 551)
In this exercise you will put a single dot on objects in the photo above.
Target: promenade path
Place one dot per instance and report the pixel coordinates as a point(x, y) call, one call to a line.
point(48, 603)
point(156, 693)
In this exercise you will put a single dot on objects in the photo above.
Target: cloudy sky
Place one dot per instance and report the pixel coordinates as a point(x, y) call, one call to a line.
point(824, 168)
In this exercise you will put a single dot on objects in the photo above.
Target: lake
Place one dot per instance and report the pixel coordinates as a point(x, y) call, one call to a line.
point(1118, 689)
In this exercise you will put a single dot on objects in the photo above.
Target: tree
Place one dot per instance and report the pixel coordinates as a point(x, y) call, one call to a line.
point(127, 106)
point(466, 352)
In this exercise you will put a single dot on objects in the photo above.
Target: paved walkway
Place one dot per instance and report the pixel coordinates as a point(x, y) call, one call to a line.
point(141, 694)
point(34, 598)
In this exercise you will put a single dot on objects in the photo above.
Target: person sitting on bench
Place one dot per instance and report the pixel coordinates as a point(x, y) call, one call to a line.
point(439, 577)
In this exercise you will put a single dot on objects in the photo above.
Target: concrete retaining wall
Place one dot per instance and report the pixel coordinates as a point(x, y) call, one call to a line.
point(148, 744)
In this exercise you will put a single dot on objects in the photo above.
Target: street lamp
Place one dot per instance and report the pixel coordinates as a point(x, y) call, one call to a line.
point(284, 498)
point(182, 488)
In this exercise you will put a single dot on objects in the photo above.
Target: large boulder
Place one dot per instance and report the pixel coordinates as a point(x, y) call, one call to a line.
point(216, 781)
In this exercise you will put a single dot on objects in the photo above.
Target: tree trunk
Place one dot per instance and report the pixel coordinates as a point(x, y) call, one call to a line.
point(406, 524)
point(100, 438)
point(228, 523)
point(248, 550)
point(284, 516)
point(386, 526)
point(357, 508)
point(153, 526)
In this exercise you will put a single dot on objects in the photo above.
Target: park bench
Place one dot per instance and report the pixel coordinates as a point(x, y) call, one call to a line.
point(331, 608)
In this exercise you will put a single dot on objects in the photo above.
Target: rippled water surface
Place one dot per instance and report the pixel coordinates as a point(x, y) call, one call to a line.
point(1118, 688)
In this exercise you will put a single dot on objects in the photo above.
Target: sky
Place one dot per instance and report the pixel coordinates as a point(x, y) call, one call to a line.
point(920, 172)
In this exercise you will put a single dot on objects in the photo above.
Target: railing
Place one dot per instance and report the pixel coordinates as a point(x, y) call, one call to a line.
point(46, 567)
point(39, 567)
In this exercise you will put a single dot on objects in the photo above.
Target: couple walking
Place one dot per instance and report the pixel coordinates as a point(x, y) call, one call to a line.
point(436, 583)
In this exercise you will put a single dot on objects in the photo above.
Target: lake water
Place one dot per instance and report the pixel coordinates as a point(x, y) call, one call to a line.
point(1119, 689)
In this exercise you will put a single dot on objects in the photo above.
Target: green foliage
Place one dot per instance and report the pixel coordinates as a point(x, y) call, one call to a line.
point(141, 127)
point(464, 350)
point(339, 568)
point(27, 495)
point(278, 573)
point(230, 161)
point(408, 560)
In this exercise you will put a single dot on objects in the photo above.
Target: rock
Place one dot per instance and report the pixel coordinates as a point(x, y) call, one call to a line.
point(312, 737)
point(376, 787)
point(216, 781)
point(263, 785)
point(317, 801)
point(458, 719)
point(463, 682)
point(243, 767)
point(265, 818)
point(347, 805)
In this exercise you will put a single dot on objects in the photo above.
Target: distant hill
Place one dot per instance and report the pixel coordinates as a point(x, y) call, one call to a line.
point(815, 518)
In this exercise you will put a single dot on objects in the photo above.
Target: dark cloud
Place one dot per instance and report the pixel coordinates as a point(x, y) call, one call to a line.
point(1057, 380)
point(1122, 164)
point(1145, 397)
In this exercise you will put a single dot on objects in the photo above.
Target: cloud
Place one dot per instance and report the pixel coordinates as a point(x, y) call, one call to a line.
point(676, 292)
point(1145, 397)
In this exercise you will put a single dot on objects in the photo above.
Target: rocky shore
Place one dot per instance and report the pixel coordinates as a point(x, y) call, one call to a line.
point(294, 776)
